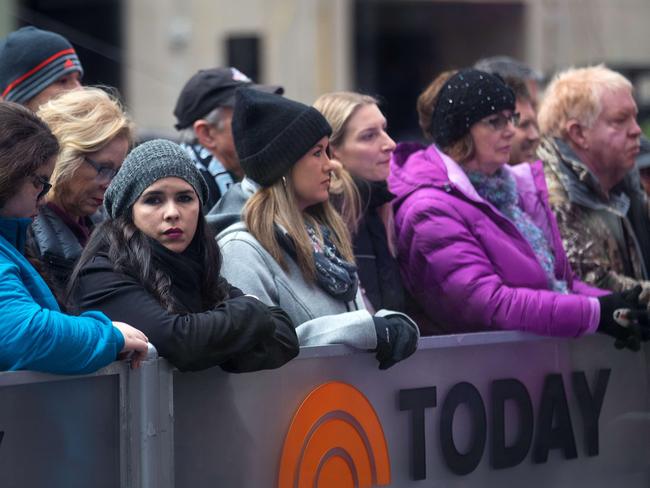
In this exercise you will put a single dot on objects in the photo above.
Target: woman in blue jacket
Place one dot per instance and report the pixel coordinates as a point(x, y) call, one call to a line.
point(34, 333)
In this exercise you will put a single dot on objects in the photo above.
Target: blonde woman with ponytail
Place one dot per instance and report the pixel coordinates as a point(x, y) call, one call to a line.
point(361, 146)
point(293, 249)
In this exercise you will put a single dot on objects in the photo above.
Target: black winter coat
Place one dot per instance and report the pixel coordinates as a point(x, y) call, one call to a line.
point(378, 270)
point(241, 334)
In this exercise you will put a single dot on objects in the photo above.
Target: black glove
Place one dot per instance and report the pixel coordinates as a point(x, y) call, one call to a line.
point(397, 338)
point(624, 318)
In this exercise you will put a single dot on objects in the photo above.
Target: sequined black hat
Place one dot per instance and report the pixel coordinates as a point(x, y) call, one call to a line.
point(467, 97)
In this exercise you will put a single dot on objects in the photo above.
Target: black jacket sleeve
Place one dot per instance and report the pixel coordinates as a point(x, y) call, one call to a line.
point(233, 292)
point(272, 351)
point(241, 327)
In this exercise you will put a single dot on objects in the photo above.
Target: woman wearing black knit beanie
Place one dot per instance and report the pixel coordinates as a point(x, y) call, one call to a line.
point(477, 242)
point(293, 249)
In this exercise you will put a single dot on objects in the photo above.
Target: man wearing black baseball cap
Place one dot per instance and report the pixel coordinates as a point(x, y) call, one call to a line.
point(204, 113)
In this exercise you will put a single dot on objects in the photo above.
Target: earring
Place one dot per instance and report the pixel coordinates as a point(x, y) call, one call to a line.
point(284, 181)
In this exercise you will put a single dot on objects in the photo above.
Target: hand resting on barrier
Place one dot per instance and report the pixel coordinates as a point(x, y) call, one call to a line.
point(397, 337)
point(623, 317)
point(135, 344)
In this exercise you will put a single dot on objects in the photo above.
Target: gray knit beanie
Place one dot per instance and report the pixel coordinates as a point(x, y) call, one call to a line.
point(146, 164)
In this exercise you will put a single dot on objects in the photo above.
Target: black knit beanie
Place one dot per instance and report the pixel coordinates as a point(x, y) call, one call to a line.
point(467, 97)
point(272, 133)
point(32, 59)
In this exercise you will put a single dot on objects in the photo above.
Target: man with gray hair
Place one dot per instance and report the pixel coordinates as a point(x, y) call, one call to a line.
point(591, 140)
point(204, 113)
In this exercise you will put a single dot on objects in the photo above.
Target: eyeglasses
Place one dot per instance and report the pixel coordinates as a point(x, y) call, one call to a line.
point(500, 121)
point(104, 173)
point(41, 181)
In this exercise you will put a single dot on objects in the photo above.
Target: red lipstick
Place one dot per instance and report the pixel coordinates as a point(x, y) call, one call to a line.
point(173, 232)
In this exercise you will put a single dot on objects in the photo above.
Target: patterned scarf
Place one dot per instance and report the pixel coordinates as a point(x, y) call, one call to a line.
point(333, 274)
point(501, 191)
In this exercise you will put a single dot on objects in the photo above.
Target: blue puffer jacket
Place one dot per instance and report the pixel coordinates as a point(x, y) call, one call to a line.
point(34, 333)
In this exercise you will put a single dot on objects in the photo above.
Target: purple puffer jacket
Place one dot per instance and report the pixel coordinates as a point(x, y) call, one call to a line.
point(467, 265)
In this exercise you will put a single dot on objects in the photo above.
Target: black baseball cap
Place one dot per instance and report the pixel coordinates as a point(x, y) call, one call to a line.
point(211, 88)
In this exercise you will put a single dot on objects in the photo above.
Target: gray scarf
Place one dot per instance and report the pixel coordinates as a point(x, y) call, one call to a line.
point(333, 274)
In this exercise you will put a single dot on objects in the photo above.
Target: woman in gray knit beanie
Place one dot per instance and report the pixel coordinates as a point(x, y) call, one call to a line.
point(155, 263)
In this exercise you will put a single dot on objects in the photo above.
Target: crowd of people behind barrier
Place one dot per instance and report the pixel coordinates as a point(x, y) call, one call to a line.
point(275, 225)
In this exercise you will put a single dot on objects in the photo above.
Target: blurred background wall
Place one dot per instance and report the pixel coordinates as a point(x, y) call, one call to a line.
point(390, 48)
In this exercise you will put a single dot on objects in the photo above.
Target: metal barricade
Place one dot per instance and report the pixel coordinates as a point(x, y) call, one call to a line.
point(99, 430)
point(486, 409)
point(64, 431)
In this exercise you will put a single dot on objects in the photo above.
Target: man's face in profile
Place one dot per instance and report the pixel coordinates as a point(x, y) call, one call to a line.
point(526, 138)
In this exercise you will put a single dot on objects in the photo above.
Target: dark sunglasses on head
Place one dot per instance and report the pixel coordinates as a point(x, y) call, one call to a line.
point(43, 183)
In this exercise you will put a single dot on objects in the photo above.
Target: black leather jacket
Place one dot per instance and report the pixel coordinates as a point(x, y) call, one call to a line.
point(55, 245)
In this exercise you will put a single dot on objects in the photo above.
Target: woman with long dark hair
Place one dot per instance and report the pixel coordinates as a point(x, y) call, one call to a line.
point(155, 263)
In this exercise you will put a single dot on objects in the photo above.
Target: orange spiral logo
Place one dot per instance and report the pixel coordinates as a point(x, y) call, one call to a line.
point(335, 440)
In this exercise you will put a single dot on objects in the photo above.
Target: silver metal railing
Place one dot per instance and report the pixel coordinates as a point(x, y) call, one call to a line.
point(157, 427)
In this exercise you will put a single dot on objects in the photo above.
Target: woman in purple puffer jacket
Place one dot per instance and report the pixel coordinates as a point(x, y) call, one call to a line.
point(478, 246)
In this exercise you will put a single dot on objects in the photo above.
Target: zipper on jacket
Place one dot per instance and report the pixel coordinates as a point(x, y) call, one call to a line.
point(496, 213)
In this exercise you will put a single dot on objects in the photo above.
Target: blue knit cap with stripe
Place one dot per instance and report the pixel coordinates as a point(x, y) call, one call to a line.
point(32, 59)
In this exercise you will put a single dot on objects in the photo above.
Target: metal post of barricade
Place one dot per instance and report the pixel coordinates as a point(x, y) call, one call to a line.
point(151, 427)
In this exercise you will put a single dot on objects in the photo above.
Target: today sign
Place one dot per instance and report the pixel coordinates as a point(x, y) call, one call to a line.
point(554, 424)
point(479, 410)
point(336, 439)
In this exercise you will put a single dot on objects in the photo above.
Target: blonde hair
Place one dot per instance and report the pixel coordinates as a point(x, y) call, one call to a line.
point(575, 94)
point(346, 197)
point(277, 205)
point(83, 121)
point(338, 108)
point(461, 150)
